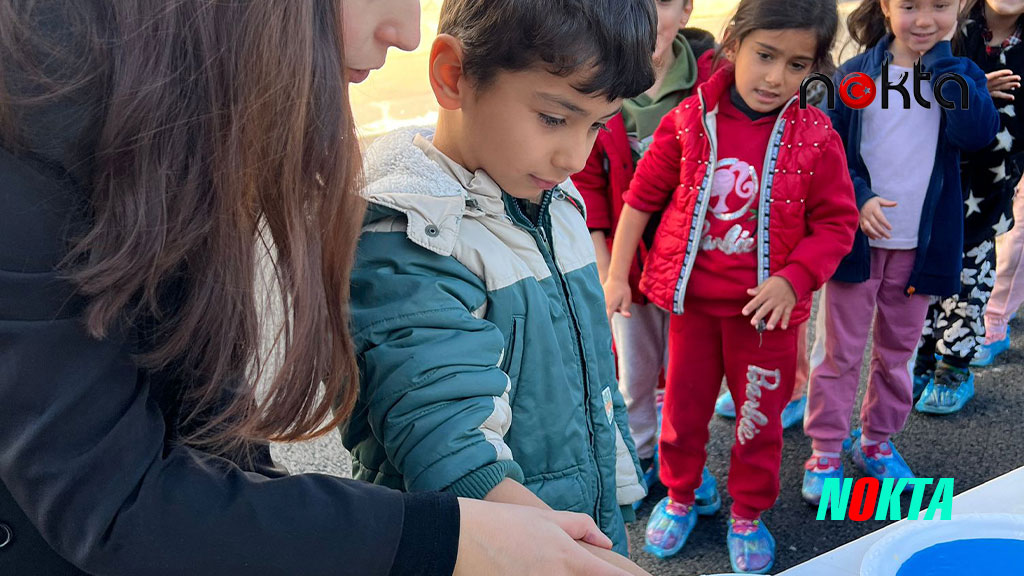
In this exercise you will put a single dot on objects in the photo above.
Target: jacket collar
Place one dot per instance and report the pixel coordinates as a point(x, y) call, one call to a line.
point(407, 174)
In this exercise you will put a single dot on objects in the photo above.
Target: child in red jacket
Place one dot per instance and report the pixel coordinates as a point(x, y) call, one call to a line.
point(757, 211)
point(683, 60)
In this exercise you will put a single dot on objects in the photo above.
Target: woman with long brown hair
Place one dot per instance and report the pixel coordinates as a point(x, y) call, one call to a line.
point(169, 171)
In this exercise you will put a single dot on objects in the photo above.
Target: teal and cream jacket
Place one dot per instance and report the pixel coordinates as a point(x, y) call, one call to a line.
point(482, 341)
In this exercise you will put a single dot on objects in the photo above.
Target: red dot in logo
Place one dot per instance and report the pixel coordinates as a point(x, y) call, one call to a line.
point(857, 90)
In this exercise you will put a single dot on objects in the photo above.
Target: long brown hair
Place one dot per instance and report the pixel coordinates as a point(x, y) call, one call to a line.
point(224, 147)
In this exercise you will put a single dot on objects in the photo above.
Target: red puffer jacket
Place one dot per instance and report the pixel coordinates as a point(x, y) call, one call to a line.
point(807, 214)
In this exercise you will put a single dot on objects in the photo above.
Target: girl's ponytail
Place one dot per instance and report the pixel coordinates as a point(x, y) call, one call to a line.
point(867, 23)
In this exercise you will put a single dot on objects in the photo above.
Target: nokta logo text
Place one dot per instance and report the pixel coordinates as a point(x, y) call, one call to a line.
point(868, 497)
point(857, 90)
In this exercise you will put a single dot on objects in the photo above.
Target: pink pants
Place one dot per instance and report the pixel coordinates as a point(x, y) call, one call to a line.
point(849, 309)
point(1008, 293)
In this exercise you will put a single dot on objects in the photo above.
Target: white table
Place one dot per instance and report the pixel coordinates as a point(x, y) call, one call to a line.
point(1004, 494)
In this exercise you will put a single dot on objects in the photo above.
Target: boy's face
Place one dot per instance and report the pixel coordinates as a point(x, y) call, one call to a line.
point(672, 16)
point(373, 26)
point(530, 130)
point(771, 64)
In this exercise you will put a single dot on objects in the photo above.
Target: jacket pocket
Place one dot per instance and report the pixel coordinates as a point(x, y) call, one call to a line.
point(564, 490)
point(512, 360)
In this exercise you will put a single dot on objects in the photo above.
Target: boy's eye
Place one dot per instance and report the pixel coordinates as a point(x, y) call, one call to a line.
point(764, 56)
point(551, 120)
point(798, 66)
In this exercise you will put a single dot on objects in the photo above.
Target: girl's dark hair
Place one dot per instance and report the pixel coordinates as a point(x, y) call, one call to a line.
point(221, 153)
point(613, 40)
point(819, 16)
point(868, 25)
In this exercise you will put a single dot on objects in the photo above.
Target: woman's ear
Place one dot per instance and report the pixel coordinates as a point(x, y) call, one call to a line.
point(446, 74)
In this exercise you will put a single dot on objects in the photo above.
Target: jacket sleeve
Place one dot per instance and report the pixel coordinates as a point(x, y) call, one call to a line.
point(437, 397)
point(84, 453)
point(971, 124)
point(629, 486)
point(592, 182)
point(831, 216)
point(657, 174)
point(842, 117)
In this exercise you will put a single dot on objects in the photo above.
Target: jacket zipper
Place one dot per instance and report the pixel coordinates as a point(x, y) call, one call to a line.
point(768, 175)
point(541, 232)
point(703, 200)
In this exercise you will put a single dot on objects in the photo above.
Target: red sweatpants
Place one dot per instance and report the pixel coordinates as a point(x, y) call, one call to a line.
point(761, 373)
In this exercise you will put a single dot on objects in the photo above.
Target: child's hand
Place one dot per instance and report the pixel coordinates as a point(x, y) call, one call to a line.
point(774, 299)
point(872, 221)
point(617, 297)
point(1001, 82)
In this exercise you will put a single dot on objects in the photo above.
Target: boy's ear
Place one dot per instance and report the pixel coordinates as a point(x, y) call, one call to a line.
point(687, 12)
point(446, 75)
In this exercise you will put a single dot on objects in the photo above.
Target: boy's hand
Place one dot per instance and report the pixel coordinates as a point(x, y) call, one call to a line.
point(1001, 82)
point(618, 297)
point(872, 221)
point(773, 300)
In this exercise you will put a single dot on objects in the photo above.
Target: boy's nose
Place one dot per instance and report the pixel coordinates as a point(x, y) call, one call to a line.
point(572, 157)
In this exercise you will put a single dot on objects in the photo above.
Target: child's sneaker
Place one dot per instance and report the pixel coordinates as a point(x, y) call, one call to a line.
point(793, 413)
point(987, 353)
point(707, 499)
point(948, 393)
point(923, 377)
point(817, 469)
point(881, 461)
point(751, 546)
point(670, 525)
point(724, 406)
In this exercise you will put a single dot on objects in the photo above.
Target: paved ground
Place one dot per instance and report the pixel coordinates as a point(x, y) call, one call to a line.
point(982, 442)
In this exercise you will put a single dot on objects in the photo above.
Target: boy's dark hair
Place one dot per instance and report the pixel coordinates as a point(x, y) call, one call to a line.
point(612, 39)
point(819, 16)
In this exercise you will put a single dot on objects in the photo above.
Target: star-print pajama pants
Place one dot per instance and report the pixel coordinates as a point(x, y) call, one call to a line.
point(955, 326)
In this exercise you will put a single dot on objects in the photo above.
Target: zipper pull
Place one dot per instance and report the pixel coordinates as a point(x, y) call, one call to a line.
point(761, 327)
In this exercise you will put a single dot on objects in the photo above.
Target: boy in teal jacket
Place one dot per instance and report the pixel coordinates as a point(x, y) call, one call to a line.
point(478, 316)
